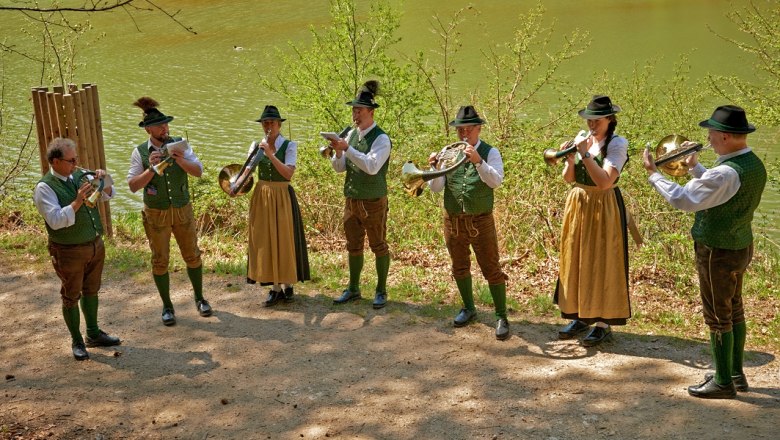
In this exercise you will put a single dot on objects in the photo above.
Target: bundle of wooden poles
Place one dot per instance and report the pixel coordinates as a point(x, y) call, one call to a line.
point(73, 114)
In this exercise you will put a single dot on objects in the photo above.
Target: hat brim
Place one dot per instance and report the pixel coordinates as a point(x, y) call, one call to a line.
point(362, 104)
point(727, 129)
point(464, 122)
point(585, 114)
point(267, 119)
point(165, 120)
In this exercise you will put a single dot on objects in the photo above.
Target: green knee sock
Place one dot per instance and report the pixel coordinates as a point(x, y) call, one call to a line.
point(740, 334)
point(382, 268)
point(498, 292)
point(163, 283)
point(722, 356)
point(72, 320)
point(89, 307)
point(466, 293)
point(196, 278)
point(355, 267)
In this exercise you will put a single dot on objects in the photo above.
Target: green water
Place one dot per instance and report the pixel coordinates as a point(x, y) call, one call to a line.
point(208, 85)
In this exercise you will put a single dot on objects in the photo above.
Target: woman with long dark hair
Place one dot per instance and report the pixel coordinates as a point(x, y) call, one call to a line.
point(593, 275)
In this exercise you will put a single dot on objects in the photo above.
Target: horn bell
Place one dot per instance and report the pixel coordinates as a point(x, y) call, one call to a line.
point(668, 147)
point(227, 178)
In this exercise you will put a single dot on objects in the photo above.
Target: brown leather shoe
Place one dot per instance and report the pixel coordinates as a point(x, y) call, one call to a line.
point(712, 390)
point(740, 381)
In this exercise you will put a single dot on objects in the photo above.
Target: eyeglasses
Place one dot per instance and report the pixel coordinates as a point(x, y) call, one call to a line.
point(73, 161)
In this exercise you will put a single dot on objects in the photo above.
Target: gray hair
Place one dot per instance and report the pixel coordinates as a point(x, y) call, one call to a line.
point(57, 148)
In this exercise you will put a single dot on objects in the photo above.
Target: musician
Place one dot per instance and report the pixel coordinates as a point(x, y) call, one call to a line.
point(277, 244)
point(468, 221)
point(364, 155)
point(167, 208)
point(593, 274)
point(75, 242)
point(724, 198)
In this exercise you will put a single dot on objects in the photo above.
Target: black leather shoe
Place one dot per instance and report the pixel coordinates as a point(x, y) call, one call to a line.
point(80, 351)
point(380, 299)
point(103, 340)
point(288, 294)
point(739, 380)
point(711, 390)
point(273, 298)
point(502, 329)
point(597, 336)
point(346, 296)
point(168, 318)
point(464, 317)
point(204, 308)
point(572, 329)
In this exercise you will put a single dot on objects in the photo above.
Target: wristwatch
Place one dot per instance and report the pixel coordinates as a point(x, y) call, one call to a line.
point(586, 155)
point(478, 164)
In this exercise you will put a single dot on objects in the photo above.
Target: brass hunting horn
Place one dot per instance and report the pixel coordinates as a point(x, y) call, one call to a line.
point(670, 155)
point(237, 180)
point(447, 160)
point(551, 155)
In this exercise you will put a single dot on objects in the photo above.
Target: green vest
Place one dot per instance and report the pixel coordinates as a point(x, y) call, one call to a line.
point(87, 226)
point(267, 171)
point(728, 226)
point(581, 175)
point(361, 185)
point(464, 190)
point(172, 188)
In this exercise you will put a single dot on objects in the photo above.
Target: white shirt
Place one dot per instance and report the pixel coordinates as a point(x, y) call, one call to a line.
point(48, 205)
point(369, 163)
point(491, 171)
point(137, 165)
point(290, 155)
point(617, 153)
point(707, 189)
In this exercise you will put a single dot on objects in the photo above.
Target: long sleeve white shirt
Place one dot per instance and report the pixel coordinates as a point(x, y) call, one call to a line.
point(369, 163)
point(708, 188)
point(491, 171)
point(48, 205)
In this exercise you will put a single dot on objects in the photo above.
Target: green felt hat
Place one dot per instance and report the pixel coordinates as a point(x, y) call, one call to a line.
point(467, 116)
point(270, 112)
point(154, 117)
point(729, 119)
point(599, 107)
point(365, 96)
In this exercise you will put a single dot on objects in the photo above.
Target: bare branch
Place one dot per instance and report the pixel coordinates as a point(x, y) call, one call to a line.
point(94, 8)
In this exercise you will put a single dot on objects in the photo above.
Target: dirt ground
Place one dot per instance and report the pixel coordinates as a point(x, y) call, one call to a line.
point(312, 370)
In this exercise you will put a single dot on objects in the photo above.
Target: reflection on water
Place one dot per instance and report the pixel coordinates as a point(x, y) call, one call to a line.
point(212, 89)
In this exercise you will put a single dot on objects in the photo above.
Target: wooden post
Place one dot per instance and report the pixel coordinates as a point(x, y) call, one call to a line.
point(42, 141)
point(105, 208)
point(52, 106)
point(60, 117)
point(70, 117)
